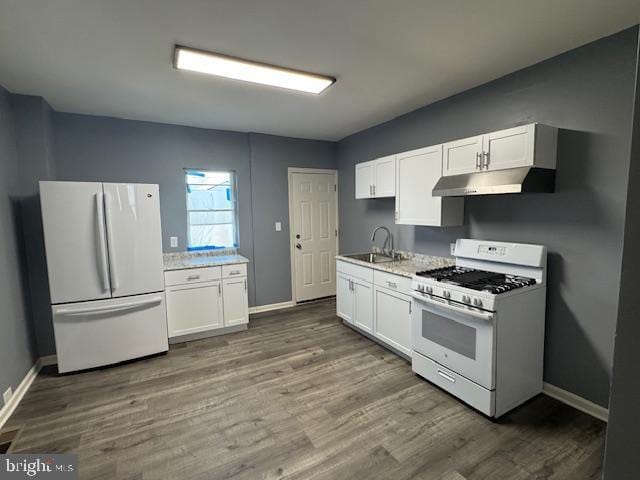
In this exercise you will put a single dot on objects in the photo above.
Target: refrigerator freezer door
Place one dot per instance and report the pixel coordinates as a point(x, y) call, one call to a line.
point(134, 236)
point(92, 334)
point(74, 236)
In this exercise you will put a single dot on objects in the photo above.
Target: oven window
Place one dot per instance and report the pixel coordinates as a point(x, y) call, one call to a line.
point(449, 334)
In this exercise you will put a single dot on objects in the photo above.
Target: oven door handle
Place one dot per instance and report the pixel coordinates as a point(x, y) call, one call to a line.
point(452, 308)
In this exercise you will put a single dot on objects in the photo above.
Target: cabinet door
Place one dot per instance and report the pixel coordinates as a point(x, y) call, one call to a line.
point(344, 298)
point(393, 319)
point(385, 177)
point(363, 317)
point(509, 148)
point(235, 301)
point(416, 174)
point(462, 156)
point(365, 178)
point(194, 308)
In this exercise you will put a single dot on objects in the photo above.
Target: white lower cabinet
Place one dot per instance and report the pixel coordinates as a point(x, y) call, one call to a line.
point(344, 298)
point(206, 299)
point(194, 308)
point(393, 318)
point(235, 299)
point(363, 297)
point(379, 306)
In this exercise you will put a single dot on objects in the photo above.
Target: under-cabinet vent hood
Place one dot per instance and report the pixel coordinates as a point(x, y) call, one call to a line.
point(512, 180)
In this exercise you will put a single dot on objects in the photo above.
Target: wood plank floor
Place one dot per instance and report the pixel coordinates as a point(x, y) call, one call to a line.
point(297, 396)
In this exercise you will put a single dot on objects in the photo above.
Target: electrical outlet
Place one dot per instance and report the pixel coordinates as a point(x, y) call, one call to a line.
point(452, 247)
point(174, 242)
point(6, 396)
point(278, 226)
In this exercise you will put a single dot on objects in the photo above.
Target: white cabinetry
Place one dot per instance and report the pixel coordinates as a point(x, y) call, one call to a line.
point(377, 303)
point(417, 172)
point(526, 145)
point(207, 299)
point(376, 178)
point(236, 307)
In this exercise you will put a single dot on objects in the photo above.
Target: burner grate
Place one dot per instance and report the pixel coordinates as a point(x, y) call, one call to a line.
point(480, 280)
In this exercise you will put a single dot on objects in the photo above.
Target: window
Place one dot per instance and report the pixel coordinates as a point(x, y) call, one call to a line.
point(211, 210)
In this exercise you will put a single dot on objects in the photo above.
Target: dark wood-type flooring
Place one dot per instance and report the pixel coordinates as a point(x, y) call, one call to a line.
point(297, 396)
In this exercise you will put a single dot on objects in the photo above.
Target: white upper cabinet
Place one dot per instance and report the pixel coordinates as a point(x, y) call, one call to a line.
point(365, 178)
point(376, 178)
point(462, 156)
point(527, 145)
point(417, 172)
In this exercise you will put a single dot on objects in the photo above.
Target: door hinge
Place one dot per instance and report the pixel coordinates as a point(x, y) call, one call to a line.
point(335, 188)
point(336, 232)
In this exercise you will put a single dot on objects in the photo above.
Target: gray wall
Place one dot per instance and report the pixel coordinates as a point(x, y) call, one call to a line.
point(623, 431)
point(33, 128)
point(16, 347)
point(588, 93)
point(270, 158)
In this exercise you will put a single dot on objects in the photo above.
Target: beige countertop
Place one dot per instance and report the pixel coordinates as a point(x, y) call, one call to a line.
point(408, 266)
point(186, 260)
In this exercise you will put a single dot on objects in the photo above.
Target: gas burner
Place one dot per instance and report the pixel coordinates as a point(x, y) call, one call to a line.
point(480, 280)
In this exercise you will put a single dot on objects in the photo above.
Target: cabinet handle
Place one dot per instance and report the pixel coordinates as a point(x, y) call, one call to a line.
point(234, 272)
point(219, 289)
point(245, 285)
point(392, 284)
point(193, 277)
point(478, 162)
point(486, 159)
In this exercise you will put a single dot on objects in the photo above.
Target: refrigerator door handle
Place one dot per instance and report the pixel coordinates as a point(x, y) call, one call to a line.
point(70, 312)
point(112, 268)
point(102, 246)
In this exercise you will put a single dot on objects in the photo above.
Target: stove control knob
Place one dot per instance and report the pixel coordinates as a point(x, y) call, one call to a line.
point(466, 299)
point(421, 288)
point(446, 294)
point(428, 289)
point(477, 302)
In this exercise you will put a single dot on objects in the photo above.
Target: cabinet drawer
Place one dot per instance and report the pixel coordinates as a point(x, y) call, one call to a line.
point(237, 270)
point(466, 390)
point(393, 282)
point(363, 273)
point(191, 275)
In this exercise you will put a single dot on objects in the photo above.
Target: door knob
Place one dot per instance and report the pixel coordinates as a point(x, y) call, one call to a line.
point(298, 246)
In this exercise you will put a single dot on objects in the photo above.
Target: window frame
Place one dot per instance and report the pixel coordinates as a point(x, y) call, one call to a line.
point(234, 209)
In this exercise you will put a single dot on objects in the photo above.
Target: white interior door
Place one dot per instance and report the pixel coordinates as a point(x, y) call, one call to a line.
point(74, 235)
point(134, 238)
point(313, 232)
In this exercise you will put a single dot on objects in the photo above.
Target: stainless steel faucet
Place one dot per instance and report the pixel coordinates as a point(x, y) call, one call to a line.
point(388, 240)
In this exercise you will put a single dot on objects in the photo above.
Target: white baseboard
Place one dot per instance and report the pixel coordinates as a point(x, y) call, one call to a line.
point(576, 402)
point(19, 393)
point(273, 306)
point(48, 360)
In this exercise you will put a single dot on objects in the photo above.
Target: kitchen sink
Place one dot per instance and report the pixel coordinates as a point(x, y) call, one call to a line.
point(370, 257)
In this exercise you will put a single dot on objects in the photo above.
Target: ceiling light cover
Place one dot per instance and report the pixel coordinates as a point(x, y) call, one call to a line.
point(248, 71)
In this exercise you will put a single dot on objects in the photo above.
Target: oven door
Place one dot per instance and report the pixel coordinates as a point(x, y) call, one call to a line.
point(456, 336)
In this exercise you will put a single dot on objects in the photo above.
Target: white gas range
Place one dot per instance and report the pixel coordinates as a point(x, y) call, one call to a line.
point(478, 326)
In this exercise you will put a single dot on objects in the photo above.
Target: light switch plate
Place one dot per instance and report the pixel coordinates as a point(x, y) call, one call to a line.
point(6, 396)
point(278, 226)
point(174, 242)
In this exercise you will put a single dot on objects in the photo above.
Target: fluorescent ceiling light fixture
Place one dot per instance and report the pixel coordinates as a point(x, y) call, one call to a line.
point(248, 71)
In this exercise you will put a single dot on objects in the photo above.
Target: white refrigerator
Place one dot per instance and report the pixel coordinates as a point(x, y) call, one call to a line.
point(104, 256)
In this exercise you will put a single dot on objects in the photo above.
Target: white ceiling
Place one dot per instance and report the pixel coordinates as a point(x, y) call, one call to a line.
point(113, 57)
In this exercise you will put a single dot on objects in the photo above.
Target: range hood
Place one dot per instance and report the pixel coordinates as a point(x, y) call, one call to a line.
point(512, 180)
